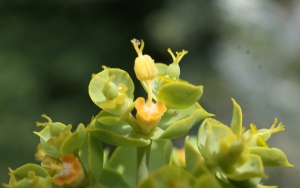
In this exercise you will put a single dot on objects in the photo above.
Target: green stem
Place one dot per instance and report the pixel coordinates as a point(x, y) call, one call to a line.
point(143, 155)
point(133, 123)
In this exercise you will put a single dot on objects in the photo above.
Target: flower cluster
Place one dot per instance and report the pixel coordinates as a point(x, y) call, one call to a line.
point(219, 156)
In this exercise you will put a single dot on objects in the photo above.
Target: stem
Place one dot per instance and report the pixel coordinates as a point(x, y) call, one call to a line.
point(149, 87)
point(133, 123)
point(143, 155)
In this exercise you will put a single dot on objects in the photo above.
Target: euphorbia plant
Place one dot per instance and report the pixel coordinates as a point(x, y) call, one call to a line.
point(219, 156)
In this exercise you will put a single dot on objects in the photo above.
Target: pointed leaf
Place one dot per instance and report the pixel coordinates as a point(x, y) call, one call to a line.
point(120, 134)
point(236, 121)
point(161, 151)
point(73, 142)
point(183, 126)
point(111, 178)
point(271, 156)
point(193, 160)
point(91, 156)
point(123, 161)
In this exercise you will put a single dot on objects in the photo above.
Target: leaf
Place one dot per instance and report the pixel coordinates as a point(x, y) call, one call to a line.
point(110, 119)
point(194, 162)
point(161, 151)
point(172, 176)
point(120, 134)
point(91, 156)
point(123, 161)
point(248, 183)
point(179, 95)
point(179, 127)
point(272, 157)
point(252, 168)
point(73, 142)
point(22, 171)
point(111, 179)
point(215, 131)
point(207, 180)
point(236, 121)
point(93, 183)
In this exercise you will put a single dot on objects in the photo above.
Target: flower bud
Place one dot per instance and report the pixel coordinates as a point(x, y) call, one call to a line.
point(144, 66)
point(259, 137)
point(173, 70)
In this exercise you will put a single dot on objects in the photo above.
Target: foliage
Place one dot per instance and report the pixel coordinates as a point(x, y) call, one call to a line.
point(219, 156)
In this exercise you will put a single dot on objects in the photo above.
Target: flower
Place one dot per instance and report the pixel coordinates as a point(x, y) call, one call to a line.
point(173, 70)
point(259, 137)
point(144, 66)
point(115, 97)
point(148, 117)
point(58, 132)
point(70, 172)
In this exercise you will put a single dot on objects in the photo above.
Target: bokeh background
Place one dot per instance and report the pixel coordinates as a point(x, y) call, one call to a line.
point(248, 50)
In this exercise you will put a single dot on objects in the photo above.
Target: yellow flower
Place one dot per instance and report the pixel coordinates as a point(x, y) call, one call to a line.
point(148, 117)
point(70, 172)
point(144, 66)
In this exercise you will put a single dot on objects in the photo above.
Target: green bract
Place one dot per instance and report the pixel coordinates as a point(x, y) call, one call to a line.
point(123, 83)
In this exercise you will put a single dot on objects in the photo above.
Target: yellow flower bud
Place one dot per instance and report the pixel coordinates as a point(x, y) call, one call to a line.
point(148, 117)
point(144, 66)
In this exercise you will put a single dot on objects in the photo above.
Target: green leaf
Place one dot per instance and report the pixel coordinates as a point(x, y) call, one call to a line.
point(174, 127)
point(91, 156)
point(216, 131)
point(111, 179)
point(120, 134)
point(22, 171)
point(168, 177)
point(73, 142)
point(179, 95)
point(207, 180)
point(194, 162)
point(93, 183)
point(249, 183)
point(121, 77)
point(123, 161)
point(236, 121)
point(110, 119)
point(252, 168)
point(271, 156)
point(161, 151)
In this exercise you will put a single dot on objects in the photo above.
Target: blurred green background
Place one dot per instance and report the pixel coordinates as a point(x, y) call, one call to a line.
point(243, 49)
